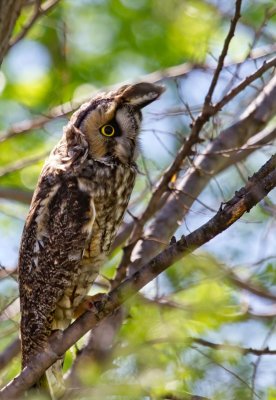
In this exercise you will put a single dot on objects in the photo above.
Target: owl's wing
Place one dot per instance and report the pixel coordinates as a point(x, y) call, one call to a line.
point(56, 231)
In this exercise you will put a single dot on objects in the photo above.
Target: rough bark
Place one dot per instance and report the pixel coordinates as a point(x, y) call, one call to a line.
point(258, 186)
point(252, 121)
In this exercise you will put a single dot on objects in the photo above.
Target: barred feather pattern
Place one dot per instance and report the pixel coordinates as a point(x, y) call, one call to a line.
point(80, 199)
point(68, 233)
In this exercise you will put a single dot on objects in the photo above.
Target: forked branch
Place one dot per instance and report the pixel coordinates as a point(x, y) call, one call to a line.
point(258, 186)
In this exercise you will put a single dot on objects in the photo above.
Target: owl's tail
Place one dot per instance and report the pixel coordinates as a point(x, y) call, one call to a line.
point(51, 383)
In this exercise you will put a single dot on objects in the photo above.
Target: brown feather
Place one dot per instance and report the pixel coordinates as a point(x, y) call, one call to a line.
point(78, 205)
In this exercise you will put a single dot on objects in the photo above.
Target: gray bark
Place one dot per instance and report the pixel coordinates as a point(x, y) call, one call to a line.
point(166, 221)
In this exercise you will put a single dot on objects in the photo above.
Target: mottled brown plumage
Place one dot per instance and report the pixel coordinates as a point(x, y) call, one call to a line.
point(79, 202)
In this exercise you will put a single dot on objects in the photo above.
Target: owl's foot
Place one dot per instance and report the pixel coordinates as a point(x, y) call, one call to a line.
point(87, 304)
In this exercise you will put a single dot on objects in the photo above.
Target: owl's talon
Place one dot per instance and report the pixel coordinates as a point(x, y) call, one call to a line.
point(78, 205)
point(56, 333)
point(88, 304)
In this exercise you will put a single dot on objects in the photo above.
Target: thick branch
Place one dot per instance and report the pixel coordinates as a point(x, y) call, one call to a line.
point(205, 166)
point(9, 353)
point(257, 187)
point(185, 150)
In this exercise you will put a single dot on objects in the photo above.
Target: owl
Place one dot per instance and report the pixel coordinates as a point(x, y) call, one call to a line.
point(77, 207)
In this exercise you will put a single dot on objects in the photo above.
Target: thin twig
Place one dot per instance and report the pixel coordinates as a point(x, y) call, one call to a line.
point(257, 187)
point(38, 122)
point(68, 107)
point(258, 361)
point(234, 347)
point(246, 82)
point(18, 165)
point(229, 37)
point(217, 346)
point(40, 9)
point(226, 369)
point(183, 152)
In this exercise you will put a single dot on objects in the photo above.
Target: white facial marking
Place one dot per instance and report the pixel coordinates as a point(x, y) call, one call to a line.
point(143, 99)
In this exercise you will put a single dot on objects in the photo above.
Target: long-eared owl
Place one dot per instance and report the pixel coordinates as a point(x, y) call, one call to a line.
point(78, 204)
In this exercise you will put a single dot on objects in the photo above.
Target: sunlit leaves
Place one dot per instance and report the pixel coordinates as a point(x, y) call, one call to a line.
point(75, 49)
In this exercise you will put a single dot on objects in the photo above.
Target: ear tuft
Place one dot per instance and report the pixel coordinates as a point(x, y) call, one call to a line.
point(141, 94)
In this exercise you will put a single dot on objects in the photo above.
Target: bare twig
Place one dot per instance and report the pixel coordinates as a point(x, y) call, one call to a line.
point(249, 286)
point(183, 152)
point(219, 346)
point(258, 361)
point(18, 165)
point(268, 36)
point(229, 37)
point(67, 108)
point(233, 347)
point(204, 167)
point(40, 9)
point(246, 82)
point(257, 187)
point(257, 35)
point(234, 374)
point(36, 123)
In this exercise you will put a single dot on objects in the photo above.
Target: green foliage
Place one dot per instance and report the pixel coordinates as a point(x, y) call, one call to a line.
point(110, 41)
point(257, 14)
point(267, 276)
point(79, 47)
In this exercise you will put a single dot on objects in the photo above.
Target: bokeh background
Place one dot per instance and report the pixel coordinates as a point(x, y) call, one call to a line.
point(83, 46)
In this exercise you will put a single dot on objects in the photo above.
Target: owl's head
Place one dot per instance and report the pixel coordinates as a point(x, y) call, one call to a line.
point(111, 121)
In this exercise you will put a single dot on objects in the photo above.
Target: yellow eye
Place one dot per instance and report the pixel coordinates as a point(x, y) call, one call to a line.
point(107, 130)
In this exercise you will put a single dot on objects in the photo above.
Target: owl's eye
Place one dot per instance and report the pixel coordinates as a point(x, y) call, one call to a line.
point(107, 130)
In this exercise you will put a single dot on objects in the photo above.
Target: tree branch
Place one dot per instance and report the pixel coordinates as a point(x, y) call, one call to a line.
point(9, 353)
point(39, 10)
point(38, 122)
point(175, 396)
point(257, 187)
point(9, 12)
point(246, 82)
point(229, 37)
point(233, 347)
point(20, 164)
point(186, 149)
point(248, 286)
point(204, 167)
point(220, 346)
point(20, 195)
point(69, 107)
